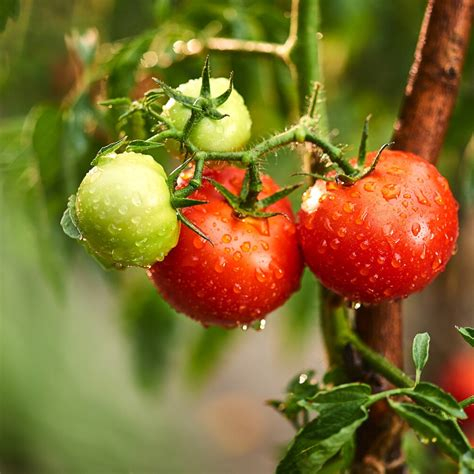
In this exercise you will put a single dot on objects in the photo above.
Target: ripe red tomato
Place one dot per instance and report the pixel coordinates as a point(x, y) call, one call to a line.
point(386, 236)
point(253, 266)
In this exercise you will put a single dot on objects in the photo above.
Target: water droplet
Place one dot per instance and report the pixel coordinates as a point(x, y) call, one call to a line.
point(396, 261)
point(348, 207)
point(198, 242)
point(388, 292)
point(259, 325)
point(302, 378)
point(264, 245)
point(405, 204)
point(364, 245)
point(244, 327)
point(355, 194)
point(395, 170)
point(334, 244)
point(360, 236)
point(137, 200)
point(322, 247)
point(237, 256)
point(415, 228)
point(323, 197)
point(246, 246)
point(219, 266)
point(423, 252)
point(327, 225)
point(365, 270)
point(455, 250)
point(342, 231)
point(437, 263)
point(439, 200)
point(112, 228)
point(353, 255)
point(422, 199)
point(136, 220)
point(279, 273)
point(226, 238)
point(369, 186)
point(123, 209)
point(336, 215)
point(390, 191)
point(374, 278)
point(331, 186)
point(236, 288)
point(260, 275)
point(356, 305)
point(362, 216)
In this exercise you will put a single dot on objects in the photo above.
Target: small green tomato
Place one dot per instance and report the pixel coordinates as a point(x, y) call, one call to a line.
point(124, 212)
point(227, 134)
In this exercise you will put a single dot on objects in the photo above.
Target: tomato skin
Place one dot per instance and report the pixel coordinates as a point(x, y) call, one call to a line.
point(124, 211)
point(227, 134)
point(385, 237)
point(252, 268)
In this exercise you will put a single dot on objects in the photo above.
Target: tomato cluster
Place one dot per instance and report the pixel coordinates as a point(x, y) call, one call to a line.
point(384, 236)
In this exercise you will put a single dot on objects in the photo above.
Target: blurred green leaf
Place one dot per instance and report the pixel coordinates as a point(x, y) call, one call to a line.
point(8, 9)
point(467, 462)
point(205, 352)
point(150, 324)
point(443, 431)
point(467, 334)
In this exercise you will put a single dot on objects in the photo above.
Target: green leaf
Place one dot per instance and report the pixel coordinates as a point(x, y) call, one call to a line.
point(141, 146)
point(347, 393)
point(420, 350)
point(468, 334)
point(445, 432)
point(8, 9)
point(322, 438)
point(106, 150)
point(301, 387)
point(433, 396)
point(69, 219)
point(118, 101)
point(466, 463)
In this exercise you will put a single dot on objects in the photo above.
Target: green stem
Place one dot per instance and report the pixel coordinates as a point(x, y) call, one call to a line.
point(379, 363)
point(305, 56)
point(468, 401)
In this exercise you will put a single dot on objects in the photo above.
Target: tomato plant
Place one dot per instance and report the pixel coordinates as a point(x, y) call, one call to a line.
point(250, 266)
point(124, 212)
point(384, 237)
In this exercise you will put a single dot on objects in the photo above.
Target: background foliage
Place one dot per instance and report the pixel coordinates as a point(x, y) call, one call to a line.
point(97, 373)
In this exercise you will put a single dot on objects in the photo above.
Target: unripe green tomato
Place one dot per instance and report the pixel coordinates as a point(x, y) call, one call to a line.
point(124, 212)
point(227, 134)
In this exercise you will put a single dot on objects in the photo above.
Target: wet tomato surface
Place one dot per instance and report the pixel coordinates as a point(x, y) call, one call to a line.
point(384, 237)
point(251, 268)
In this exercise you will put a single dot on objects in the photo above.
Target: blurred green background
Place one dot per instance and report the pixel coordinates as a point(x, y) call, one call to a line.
point(97, 374)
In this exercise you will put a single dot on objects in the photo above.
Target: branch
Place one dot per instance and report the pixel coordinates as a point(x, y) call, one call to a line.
point(434, 78)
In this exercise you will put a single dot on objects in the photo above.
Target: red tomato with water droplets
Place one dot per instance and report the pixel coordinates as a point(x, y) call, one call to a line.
point(384, 237)
point(252, 268)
